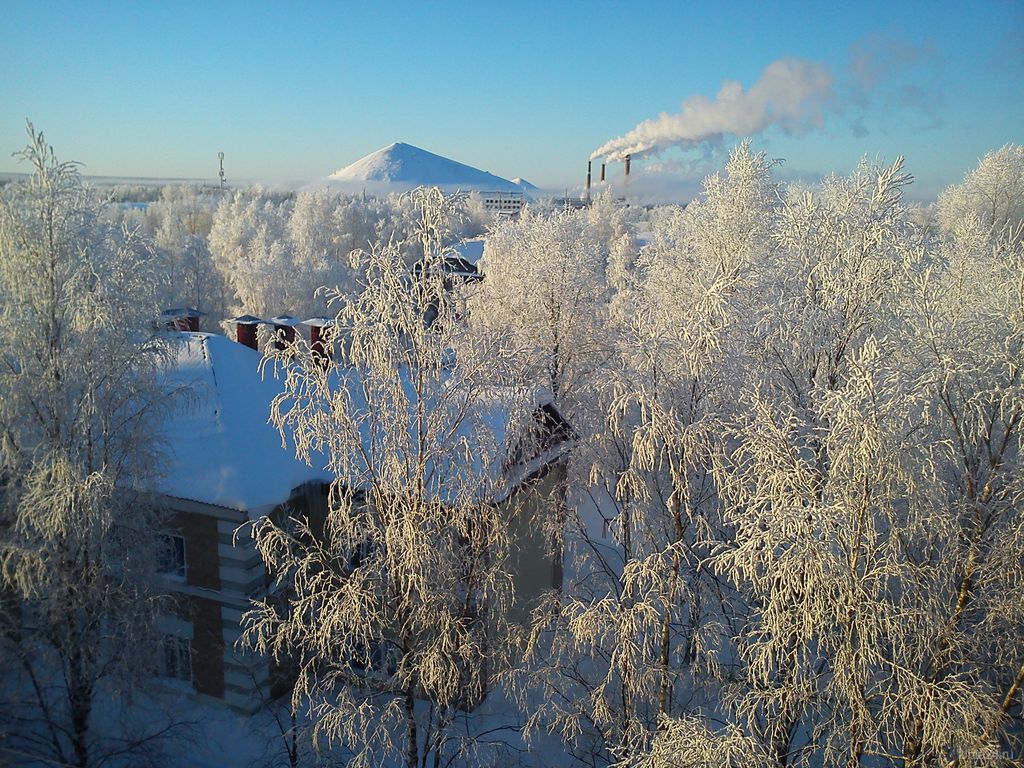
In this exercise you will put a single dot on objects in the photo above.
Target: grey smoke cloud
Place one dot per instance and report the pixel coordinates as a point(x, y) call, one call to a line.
point(879, 69)
point(877, 58)
point(791, 94)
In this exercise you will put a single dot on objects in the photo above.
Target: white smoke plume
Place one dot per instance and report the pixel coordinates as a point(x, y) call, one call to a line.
point(791, 94)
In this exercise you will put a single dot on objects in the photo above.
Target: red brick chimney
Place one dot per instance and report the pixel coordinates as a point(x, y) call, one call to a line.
point(318, 330)
point(284, 330)
point(245, 330)
point(181, 319)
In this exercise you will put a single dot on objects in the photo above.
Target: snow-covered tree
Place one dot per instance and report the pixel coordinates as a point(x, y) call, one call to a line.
point(77, 407)
point(275, 251)
point(879, 401)
point(389, 606)
point(957, 675)
point(325, 229)
point(810, 465)
point(824, 287)
point(251, 250)
point(689, 742)
point(545, 291)
point(183, 217)
point(994, 192)
point(635, 635)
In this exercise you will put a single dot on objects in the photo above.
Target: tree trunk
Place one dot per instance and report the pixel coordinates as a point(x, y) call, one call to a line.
point(666, 627)
point(80, 704)
point(412, 748)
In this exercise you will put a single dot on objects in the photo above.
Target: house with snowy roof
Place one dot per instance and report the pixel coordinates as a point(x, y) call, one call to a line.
point(226, 466)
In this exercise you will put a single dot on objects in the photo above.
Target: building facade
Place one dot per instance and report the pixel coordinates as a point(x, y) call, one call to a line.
point(228, 468)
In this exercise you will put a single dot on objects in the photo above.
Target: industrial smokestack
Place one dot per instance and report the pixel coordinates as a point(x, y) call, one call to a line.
point(602, 173)
point(588, 179)
point(627, 163)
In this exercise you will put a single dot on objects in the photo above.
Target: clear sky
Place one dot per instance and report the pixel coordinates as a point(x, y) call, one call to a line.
point(296, 90)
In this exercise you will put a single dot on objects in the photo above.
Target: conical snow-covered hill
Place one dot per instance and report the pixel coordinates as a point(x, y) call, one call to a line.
point(400, 167)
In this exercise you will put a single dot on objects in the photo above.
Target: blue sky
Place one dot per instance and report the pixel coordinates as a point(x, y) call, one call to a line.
point(294, 91)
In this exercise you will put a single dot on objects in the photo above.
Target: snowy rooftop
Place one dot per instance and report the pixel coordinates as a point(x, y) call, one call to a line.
point(222, 450)
point(471, 250)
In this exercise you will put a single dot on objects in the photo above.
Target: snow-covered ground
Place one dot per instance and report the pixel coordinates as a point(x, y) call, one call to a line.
point(204, 733)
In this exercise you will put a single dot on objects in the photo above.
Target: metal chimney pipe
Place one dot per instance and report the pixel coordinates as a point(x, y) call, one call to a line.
point(602, 172)
point(628, 157)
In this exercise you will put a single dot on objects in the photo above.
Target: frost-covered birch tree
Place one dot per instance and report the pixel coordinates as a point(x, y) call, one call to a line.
point(544, 291)
point(390, 606)
point(254, 256)
point(183, 217)
point(275, 250)
point(810, 467)
point(76, 449)
point(880, 401)
point(957, 681)
point(827, 285)
point(325, 229)
point(994, 192)
point(636, 636)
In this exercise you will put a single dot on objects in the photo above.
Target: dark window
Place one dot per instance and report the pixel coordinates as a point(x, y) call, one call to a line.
point(378, 659)
point(177, 658)
point(362, 552)
point(171, 556)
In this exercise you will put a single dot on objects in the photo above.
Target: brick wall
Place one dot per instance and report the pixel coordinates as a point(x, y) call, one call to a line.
point(207, 646)
point(202, 562)
point(202, 569)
